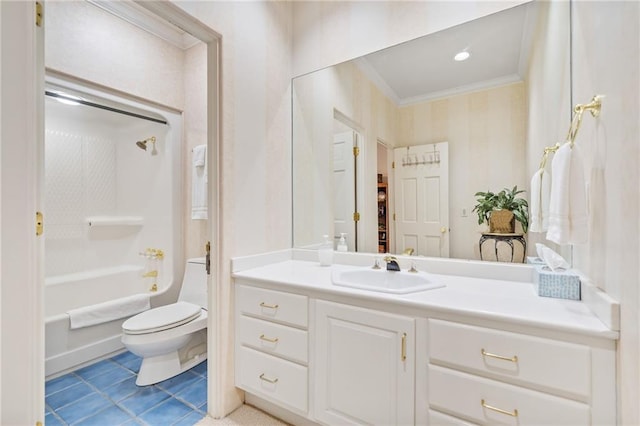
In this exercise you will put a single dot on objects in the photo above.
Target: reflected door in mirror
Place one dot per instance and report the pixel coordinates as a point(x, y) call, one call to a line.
point(422, 199)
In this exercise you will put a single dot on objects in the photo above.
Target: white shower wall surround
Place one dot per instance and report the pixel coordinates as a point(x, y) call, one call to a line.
point(106, 201)
point(94, 168)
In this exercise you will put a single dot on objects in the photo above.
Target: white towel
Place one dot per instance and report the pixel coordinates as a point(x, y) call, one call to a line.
point(568, 222)
point(540, 193)
point(108, 311)
point(199, 183)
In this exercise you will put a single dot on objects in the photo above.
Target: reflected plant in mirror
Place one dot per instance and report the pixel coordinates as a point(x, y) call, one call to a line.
point(428, 131)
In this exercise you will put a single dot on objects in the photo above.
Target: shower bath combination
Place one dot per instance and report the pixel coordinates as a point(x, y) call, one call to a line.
point(143, 145)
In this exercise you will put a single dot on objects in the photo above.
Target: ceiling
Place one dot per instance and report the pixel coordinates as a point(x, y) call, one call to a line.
point(424, 68)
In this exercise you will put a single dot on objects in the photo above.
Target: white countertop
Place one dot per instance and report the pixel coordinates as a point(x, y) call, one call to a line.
point(514, 301)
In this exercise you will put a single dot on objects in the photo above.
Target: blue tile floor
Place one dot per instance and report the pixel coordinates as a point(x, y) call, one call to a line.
point(105, 394)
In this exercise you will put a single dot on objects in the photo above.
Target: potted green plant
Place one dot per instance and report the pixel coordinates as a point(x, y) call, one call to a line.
point(489, 204)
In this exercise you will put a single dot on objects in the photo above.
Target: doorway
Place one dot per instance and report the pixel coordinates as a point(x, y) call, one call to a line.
point(24, 404)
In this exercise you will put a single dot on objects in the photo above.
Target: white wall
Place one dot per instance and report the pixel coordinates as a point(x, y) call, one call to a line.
point(606, 61)
point(255, 158)
point(89, 43)
point(195, 133)
point(94, 168)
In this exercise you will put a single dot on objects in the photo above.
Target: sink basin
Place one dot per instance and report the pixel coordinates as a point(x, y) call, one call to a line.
point(381, 280)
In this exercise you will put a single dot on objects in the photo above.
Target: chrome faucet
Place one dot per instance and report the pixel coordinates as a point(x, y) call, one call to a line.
point(392, 263)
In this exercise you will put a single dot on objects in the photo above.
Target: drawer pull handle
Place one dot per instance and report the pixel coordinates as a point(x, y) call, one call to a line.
point(513, 413)
point(505, 358)
point(268, 339)
point(403, 350)
point(266, 305)
point(268, 380)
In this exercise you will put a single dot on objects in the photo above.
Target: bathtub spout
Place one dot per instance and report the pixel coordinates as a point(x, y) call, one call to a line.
point(153, 274)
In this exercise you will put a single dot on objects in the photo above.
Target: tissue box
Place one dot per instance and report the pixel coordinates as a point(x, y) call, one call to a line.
point(534, 260)
point(560, 284)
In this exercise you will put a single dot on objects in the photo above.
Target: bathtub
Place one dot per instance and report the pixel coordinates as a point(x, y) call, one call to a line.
point(67, 349)
point(107, 200)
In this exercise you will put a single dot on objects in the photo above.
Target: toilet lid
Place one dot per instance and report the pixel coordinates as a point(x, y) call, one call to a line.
point(162, 318)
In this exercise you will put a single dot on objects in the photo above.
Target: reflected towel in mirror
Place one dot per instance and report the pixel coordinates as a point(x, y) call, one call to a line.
point(540, 193)
point(568, 222)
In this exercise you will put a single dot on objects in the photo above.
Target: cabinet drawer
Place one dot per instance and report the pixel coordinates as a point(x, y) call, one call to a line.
point(437, 418)
point(550, 364)
point(463, 395)
point(272, 305)
point(273, 338)
point(272, 378)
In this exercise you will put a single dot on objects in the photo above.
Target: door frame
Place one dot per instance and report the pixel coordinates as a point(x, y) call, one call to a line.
point(21, 271)
point(177, 16)
point(365, 221)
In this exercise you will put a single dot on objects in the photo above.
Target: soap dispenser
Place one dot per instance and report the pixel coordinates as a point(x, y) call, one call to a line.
point(325, 252)
point(342, 244)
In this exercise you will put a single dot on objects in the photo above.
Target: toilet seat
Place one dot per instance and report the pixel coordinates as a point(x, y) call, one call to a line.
point(162, 318)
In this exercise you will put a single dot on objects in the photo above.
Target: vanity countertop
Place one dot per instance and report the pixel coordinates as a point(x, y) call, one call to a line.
point(486, 298)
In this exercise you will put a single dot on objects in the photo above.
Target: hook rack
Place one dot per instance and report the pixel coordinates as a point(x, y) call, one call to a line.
point(593, 107)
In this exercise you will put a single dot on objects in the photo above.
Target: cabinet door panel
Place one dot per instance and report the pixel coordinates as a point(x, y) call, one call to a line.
point(360, 374)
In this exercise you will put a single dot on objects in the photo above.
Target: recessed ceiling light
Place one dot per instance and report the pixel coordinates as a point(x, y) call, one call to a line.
point(462, 56)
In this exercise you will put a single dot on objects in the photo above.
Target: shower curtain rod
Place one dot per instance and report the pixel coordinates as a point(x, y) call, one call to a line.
point(104, 107)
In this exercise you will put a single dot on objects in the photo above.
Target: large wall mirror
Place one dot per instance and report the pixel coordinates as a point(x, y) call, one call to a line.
point(360, 128)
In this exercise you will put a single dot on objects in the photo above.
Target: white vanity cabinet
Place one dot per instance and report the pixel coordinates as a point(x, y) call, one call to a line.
point(364, 366)
point(272, 346)
point(310, 353)
point(487, 376)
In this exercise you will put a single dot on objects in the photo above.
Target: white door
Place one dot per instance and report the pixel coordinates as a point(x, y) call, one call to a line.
point(21, 172)
point(422, 199)
point(364, 366)
point(344, 186)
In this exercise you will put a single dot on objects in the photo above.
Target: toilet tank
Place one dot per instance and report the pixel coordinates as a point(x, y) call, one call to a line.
point(194, 283)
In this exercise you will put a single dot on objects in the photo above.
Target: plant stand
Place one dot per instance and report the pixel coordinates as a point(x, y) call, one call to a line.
point(508, 239)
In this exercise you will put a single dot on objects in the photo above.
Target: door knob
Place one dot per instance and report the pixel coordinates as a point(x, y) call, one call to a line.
point(443, 230)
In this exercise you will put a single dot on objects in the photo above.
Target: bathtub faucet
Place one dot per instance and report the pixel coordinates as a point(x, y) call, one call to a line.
point(153, 274)
point(152, 253)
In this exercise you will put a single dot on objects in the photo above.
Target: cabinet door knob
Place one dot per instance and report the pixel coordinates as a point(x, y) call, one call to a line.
point(443, 230)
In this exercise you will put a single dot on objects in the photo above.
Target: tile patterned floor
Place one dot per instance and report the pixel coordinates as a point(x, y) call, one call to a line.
point(105, 394)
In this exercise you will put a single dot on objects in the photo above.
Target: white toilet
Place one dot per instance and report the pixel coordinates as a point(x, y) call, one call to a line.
point(172, 338)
